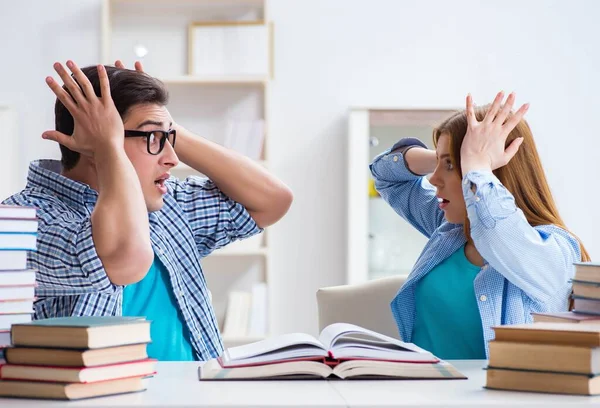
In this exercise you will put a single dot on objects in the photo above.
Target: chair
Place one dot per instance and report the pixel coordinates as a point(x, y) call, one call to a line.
point(364, 304)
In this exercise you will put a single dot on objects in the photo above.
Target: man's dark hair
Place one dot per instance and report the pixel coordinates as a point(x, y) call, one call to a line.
point(128, 88)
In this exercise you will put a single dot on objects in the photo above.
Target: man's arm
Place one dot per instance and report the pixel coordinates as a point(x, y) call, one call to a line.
point(120, 226)
point(265, 197)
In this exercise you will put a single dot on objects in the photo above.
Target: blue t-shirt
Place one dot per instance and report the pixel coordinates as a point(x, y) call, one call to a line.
point(447, 320)
point(153, 297)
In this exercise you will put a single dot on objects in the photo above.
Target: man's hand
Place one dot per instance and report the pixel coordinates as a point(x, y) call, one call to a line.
point(98, 125)
point(138, 65)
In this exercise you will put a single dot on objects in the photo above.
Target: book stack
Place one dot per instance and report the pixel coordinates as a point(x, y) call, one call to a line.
point(342, 351)
point(546, 357)
point(586, 297)
point(77, 357)
point(18, 233)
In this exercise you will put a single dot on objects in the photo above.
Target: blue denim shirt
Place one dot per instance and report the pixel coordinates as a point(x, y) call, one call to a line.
point(527, 269)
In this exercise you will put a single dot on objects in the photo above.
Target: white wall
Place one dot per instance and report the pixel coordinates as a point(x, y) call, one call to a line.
point(33, 35)
point(333, 54)
point(338, 53)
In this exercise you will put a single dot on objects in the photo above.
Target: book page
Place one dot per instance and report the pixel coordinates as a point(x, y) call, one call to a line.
point(286, 346)
point(346, 340)
point(212, 370)
point(366, 368)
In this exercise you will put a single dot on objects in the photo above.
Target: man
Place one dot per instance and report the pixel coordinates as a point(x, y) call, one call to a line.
point(117, 235)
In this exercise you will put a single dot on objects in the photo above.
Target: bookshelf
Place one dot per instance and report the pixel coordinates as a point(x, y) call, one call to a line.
point(379, 242)
point(196, 47)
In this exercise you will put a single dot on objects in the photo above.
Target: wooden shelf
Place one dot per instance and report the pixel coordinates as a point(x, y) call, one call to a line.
point(258, 80)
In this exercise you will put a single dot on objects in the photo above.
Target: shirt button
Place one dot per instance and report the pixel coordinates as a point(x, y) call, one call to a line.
point(395, 158)
point(477, 198)
point(483, 298)
point(466, 182)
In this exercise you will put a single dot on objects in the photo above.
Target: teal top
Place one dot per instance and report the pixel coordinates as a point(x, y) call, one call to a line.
point(153, 297)
point(447, 320)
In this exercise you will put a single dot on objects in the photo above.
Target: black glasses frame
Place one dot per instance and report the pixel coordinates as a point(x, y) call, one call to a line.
point(164, 136)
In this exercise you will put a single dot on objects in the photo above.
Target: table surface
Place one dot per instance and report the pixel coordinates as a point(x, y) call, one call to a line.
point(176, 384)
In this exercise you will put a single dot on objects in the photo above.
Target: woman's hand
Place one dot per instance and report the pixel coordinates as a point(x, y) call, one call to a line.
point(483, 145)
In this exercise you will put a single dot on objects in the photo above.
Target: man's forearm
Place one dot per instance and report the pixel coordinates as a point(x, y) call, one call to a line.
point(120, 227)
point(265, 197)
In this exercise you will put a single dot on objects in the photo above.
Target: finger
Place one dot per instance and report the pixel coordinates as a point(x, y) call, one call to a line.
point(514, 120)
point(119, 64)
point(70, 84)
point(62, 95)
point(471, 119)
point(104, 84)
point(138, 66)
point(512, 149)
point(491, 113)
point(506, 109)
point(59, 137)
point(83, 81)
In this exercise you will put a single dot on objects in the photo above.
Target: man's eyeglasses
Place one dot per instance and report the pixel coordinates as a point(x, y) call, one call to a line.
point(155, 139)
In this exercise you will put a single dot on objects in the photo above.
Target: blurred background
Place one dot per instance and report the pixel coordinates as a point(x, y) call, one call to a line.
point(313, 89)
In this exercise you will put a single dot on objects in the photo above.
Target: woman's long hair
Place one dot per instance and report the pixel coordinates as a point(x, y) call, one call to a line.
point(523, 176)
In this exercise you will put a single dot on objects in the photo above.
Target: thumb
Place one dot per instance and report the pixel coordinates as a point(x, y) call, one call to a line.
point(512, 149)
point(61, 138)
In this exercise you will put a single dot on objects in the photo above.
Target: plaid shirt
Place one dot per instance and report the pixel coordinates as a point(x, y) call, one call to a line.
point(196, 219)
point(527, 269)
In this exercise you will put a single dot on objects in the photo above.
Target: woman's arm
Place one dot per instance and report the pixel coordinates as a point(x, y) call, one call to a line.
point(538, 260)
point(409, 194)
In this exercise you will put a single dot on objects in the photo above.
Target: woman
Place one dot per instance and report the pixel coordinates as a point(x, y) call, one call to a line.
point(498, 249)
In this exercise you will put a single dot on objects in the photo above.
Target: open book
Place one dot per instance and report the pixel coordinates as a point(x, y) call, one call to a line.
point(342, 350)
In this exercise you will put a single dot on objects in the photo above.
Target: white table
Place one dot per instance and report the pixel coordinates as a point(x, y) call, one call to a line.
point(176, 384)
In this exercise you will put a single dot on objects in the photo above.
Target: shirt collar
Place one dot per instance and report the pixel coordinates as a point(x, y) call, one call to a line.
point(46, 175)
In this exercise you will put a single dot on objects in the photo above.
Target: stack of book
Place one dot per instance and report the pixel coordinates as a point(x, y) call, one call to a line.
point(77, 357)
point(18, 233)
point(586, 297)
point(546, 357)
point(342, 351)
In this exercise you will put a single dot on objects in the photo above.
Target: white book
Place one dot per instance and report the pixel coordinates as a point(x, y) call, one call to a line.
point(18, 225)
point(16, 306)
point(15, 211)
point(25, 277)
point(7, 320)
point(336, 341)
point(237, 314)
point(18, 241)
point(342, 350)
point(4, 338)
point(17, 292)
point(258, 311)
point(245, 137)
point(13, 260)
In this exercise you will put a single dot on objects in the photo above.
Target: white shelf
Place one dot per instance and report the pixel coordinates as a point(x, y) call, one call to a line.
point(239, 252)
point(258, 80)
point(184, 168)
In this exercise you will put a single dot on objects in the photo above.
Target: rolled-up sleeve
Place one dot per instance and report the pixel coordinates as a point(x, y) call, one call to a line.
point(539, 260)
point(410, 195)
point(66, 259)
point(215, 219)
